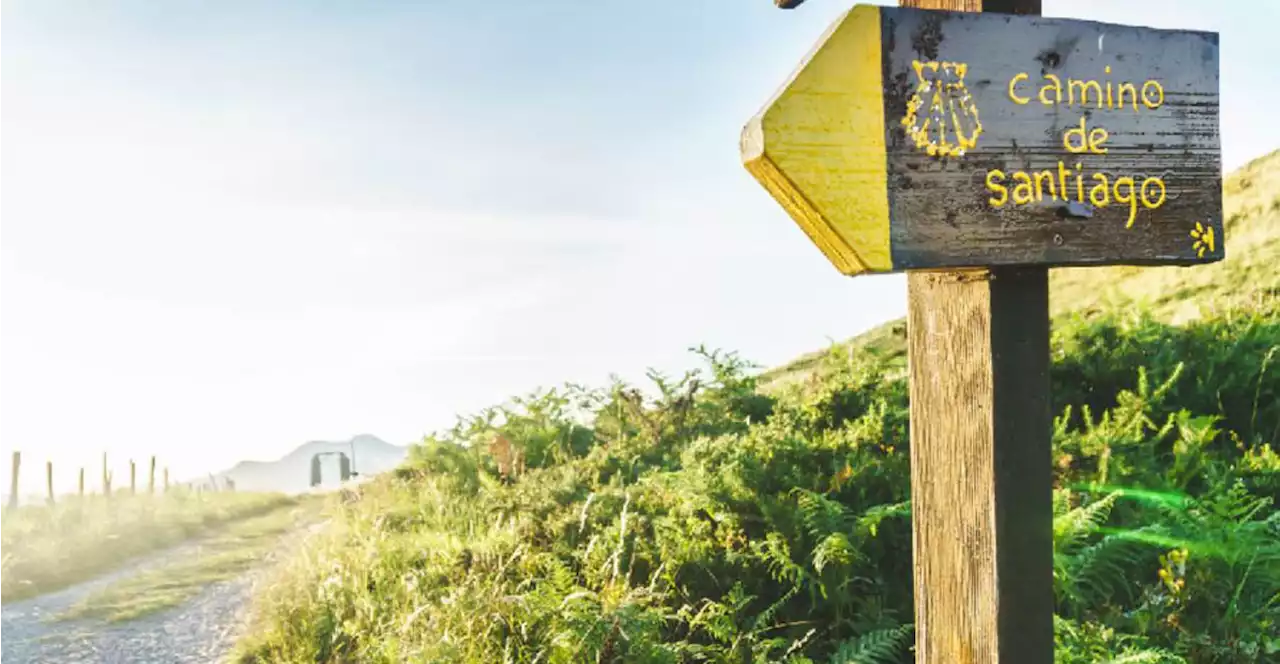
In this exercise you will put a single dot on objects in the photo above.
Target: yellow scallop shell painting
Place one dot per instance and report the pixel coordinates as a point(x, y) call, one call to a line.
point(942, 119)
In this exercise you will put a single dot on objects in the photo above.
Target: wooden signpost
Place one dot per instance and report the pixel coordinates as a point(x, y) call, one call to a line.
point(974, 151)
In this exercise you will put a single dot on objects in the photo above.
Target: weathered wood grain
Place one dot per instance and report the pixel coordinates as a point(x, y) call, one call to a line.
point(980, 466)
point(941, 208)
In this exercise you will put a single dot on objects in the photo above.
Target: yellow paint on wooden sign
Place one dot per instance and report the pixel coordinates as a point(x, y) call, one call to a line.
point(818, 146)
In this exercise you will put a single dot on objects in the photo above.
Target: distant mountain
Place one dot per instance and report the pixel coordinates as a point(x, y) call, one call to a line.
point(292, 472)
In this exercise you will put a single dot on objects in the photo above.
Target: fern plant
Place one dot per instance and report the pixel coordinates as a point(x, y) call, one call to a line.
point(882, 646)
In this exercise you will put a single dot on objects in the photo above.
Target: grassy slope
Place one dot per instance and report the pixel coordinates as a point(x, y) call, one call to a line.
point(1249, 277)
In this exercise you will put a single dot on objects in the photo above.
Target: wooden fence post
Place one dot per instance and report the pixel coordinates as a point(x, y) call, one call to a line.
point(13, 479)
point(48, 479)
point(151, 477)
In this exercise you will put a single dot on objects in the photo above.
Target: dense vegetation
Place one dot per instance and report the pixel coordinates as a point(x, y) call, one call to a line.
point(714, 518)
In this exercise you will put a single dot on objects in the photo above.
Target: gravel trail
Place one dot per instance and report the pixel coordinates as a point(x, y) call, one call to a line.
point(201, 631)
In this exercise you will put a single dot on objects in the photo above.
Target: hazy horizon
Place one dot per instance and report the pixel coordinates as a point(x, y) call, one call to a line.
point(229, 229)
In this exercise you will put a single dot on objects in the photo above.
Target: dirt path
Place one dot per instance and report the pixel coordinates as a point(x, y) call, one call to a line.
point(201, 630)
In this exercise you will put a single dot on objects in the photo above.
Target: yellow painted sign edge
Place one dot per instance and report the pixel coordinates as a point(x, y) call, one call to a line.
point(818, 146)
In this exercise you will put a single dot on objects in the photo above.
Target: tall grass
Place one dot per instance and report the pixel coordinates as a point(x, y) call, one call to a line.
point(713, 522)
point(48, 547)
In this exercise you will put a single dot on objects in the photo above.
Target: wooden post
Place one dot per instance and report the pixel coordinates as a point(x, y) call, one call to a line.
point(13, 480)
point(48, 480)
point(151, 477)
point(133, 478)
point(981, 486)
point(981, 480)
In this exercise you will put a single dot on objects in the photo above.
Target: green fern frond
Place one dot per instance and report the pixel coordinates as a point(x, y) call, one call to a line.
point(821, 515)
point(776, 555)
point(870, 520)
point(882, 646)
point(1061, 502)
point(835, 549)
point(764, 619)
point(1103, 570)
point(1071, 528)
point(1148, 656)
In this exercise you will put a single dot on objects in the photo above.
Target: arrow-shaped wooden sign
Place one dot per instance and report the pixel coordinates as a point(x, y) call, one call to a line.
point(913, 139)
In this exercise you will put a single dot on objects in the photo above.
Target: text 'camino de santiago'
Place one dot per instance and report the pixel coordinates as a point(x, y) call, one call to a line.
point(1072, 180)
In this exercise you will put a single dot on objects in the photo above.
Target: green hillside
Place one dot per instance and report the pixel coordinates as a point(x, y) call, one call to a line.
point(738, 517)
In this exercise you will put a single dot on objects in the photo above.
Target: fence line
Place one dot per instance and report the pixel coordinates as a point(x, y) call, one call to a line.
point(107, 476)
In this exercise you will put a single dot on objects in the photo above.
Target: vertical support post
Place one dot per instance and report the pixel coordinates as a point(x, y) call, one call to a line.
point(133, 478)
point(13, 479)
point(48, 481)
point(981, 479)
point(151, 477)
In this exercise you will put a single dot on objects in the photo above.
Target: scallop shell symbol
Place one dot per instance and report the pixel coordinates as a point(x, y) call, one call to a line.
point(942, 119)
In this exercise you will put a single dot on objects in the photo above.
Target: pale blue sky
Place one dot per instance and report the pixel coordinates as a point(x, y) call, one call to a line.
point(230, 227)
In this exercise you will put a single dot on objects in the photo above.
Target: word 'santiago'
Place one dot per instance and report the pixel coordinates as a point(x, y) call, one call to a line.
point(915, 139)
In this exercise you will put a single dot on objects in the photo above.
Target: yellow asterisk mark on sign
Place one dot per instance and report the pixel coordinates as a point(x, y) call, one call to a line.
point(1203, 239)
point(941, 109)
